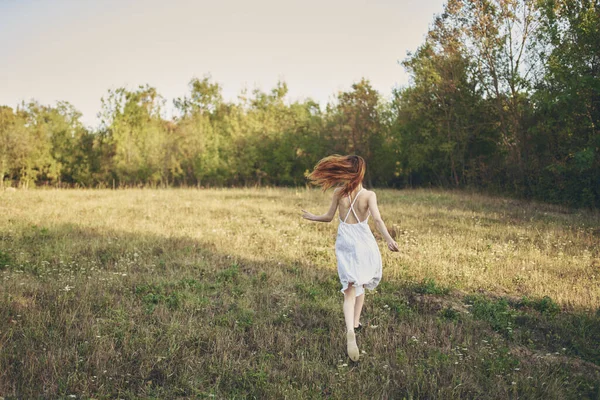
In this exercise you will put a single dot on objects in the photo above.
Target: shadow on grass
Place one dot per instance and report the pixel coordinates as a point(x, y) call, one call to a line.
point(110, 314)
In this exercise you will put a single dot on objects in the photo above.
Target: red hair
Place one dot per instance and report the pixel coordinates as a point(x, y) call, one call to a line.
point(335, 170)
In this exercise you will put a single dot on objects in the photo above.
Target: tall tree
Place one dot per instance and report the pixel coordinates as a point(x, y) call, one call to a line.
point(567, 103)
point(354, 123)
point(137, 132)
point(498, 37)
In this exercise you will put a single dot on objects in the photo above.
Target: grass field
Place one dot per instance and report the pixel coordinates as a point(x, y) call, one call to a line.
point(230, 294)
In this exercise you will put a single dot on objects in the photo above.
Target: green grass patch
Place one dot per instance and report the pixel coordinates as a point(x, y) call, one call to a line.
point(153, 295)
point(546, 306)
point(6, 260)
point(496, 312)
point(393, 302)
point(229, 274)
point(449, 314)
point(308, 291)
point(429, 286)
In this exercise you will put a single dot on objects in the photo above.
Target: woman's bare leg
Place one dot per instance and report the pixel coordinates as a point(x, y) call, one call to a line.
point(349, 304)
point(358, 305)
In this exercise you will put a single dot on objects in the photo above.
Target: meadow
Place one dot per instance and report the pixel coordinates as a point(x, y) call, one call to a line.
point(230, 294)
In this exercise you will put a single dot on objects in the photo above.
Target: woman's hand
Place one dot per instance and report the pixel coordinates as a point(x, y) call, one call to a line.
point(307, 215)
point(392, 245)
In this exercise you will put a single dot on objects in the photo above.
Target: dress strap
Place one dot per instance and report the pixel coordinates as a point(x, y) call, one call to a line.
point(352, 206)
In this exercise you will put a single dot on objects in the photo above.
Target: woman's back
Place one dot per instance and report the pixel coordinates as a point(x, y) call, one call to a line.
point(361, 206)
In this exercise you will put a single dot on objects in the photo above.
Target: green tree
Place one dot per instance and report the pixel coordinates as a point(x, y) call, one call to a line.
point(567, 103)
point(354, 125)
point(139, 136)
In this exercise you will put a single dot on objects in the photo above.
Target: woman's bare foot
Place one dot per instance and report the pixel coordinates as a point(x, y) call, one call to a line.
point(352, 346)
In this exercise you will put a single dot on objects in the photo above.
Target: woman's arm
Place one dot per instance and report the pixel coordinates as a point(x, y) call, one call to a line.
point(392, 245)
point(327, 217)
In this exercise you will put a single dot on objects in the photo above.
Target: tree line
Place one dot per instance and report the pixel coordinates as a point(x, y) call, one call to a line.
point(504, 96)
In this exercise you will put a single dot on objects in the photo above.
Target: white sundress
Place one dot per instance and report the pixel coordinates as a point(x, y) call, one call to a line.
point(358, 256)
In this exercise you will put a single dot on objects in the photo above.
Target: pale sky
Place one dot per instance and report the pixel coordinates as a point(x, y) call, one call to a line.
point(75, 50)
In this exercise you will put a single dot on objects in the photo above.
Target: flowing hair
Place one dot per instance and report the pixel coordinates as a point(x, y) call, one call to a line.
point(335, 170)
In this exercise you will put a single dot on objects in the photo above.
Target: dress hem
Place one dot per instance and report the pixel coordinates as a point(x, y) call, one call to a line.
point(360, 288)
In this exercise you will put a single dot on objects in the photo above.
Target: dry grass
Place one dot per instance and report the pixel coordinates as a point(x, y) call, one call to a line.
point(228, 293)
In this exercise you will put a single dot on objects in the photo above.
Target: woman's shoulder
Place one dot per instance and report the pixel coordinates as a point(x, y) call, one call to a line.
point(337, 193)
point(369, 193)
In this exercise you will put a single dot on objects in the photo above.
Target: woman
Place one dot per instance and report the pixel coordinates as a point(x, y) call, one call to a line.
point(356, 250)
